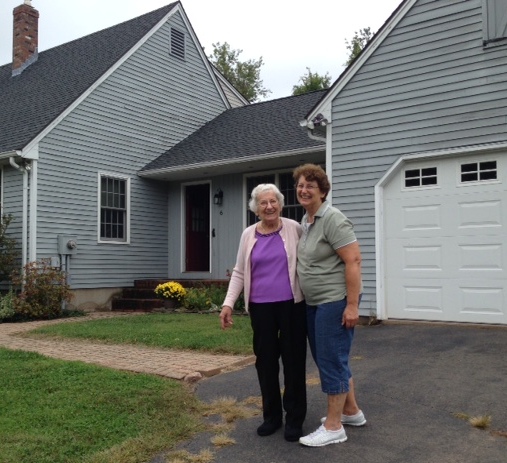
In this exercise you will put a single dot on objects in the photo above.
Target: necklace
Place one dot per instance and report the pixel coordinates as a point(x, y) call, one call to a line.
point(266, 230)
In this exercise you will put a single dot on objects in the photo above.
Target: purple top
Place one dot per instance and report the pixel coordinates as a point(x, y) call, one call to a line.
point(270, 270)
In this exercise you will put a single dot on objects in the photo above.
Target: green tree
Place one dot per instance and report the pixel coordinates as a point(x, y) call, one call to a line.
point(358, 42)
point(311, 82)
point(244, 75)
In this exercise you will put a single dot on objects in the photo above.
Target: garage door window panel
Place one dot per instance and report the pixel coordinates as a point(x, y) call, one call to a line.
point(479, 172)
point(424, 177)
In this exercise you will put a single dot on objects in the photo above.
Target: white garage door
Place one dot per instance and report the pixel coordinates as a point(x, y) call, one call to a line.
point(445, 247)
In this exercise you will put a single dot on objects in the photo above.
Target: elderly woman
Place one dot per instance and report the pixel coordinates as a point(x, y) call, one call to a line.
point(265, 271)
point(329, 268)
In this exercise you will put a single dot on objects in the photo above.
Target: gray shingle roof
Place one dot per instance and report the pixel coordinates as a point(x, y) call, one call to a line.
point(31, 101)
point(252, 130)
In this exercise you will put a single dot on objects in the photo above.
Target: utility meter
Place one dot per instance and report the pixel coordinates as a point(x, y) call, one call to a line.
point(67, 244)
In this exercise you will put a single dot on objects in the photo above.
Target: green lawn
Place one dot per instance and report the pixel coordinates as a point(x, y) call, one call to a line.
point(54, 411)
point(171, 330)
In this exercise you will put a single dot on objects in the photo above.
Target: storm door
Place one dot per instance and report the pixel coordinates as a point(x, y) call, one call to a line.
point(197, 224)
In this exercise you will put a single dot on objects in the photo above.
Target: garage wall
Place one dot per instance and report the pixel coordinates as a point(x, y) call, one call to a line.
point(430, 85)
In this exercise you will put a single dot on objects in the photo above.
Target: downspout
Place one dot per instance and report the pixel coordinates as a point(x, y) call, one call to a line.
point(24, 233)
point(32, 248)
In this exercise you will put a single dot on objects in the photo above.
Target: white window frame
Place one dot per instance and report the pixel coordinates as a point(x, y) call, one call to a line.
point(115, 176)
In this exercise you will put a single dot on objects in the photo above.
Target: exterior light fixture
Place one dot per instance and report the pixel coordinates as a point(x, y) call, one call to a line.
point(218, 198)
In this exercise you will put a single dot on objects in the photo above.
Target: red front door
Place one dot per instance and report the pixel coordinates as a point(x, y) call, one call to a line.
point(197, 239)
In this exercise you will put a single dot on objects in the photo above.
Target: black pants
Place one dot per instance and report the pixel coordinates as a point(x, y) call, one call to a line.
point(279, 330)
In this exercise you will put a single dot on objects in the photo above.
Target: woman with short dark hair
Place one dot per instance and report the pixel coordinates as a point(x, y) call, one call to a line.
point(329, 269)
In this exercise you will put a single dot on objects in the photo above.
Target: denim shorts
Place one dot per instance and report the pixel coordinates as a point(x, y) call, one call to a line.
point(330, 344)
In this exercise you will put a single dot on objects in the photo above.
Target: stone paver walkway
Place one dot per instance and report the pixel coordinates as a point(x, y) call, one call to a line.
point(176, 364)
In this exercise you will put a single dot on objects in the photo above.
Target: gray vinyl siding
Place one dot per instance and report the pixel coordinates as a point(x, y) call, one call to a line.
point(228, 222)
point(153, 101)
point(429, 86)
point(234, 101)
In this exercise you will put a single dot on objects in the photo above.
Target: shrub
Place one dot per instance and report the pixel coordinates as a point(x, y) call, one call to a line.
point(209, 297)
point(197, 299)
point(44, 289)
point(7, 311)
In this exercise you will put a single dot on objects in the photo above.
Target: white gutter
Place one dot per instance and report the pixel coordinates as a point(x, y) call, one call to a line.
point(231, 162)
point(24, 221)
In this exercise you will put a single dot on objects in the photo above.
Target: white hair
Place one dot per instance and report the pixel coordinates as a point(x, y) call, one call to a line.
point(253, 204)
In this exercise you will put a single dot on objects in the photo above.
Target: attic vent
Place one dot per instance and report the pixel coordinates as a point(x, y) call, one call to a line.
point(177, 43)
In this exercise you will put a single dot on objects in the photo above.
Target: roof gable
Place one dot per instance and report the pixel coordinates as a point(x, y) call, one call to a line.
point(40, 95)
point(323, 107)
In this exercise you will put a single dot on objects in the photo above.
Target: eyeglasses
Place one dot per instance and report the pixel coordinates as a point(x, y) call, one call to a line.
point(308, 187)
point(271, 202)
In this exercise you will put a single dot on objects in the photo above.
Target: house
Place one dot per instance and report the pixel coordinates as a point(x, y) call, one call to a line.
point(416, 145)
point(114, 146)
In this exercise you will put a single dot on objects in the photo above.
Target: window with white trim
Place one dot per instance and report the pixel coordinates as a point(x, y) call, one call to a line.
point(479, 171)
point(494, 22)
point(177, 43)
point(114, 208)
point(416, 178)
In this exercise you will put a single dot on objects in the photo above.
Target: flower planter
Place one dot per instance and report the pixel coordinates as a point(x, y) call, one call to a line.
point(169, 303)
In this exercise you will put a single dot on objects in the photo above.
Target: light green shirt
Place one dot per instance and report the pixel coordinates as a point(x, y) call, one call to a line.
point(321, 271)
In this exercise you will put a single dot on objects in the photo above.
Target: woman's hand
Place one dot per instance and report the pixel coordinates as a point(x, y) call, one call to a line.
point(350, 316)
point(226, 317)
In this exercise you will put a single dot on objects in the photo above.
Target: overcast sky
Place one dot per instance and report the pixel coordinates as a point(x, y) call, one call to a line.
point(290, 35)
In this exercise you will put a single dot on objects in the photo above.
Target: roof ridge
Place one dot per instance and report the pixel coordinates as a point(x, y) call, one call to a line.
point(169, 7)
point(277, 100)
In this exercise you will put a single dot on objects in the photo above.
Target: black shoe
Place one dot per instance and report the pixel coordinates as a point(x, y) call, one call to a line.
point(292, 434)
point(268, 427)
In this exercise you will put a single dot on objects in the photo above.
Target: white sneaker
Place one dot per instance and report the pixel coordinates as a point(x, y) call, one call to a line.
point(323, 437)
point(351, 420)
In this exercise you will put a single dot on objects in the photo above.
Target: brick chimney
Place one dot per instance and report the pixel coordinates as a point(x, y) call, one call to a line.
point(25, 37)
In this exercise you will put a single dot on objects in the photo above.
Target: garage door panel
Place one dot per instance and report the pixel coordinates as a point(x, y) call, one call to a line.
point(469, 257)
point(482, 257)
point(416, 258)
point(405, 220)
point(485, 299)
point(452, 300)
point(415, 299)
point(479, 215)
point(452, 218)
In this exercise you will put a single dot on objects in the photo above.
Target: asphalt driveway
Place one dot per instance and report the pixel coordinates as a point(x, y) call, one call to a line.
point(411, 382)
